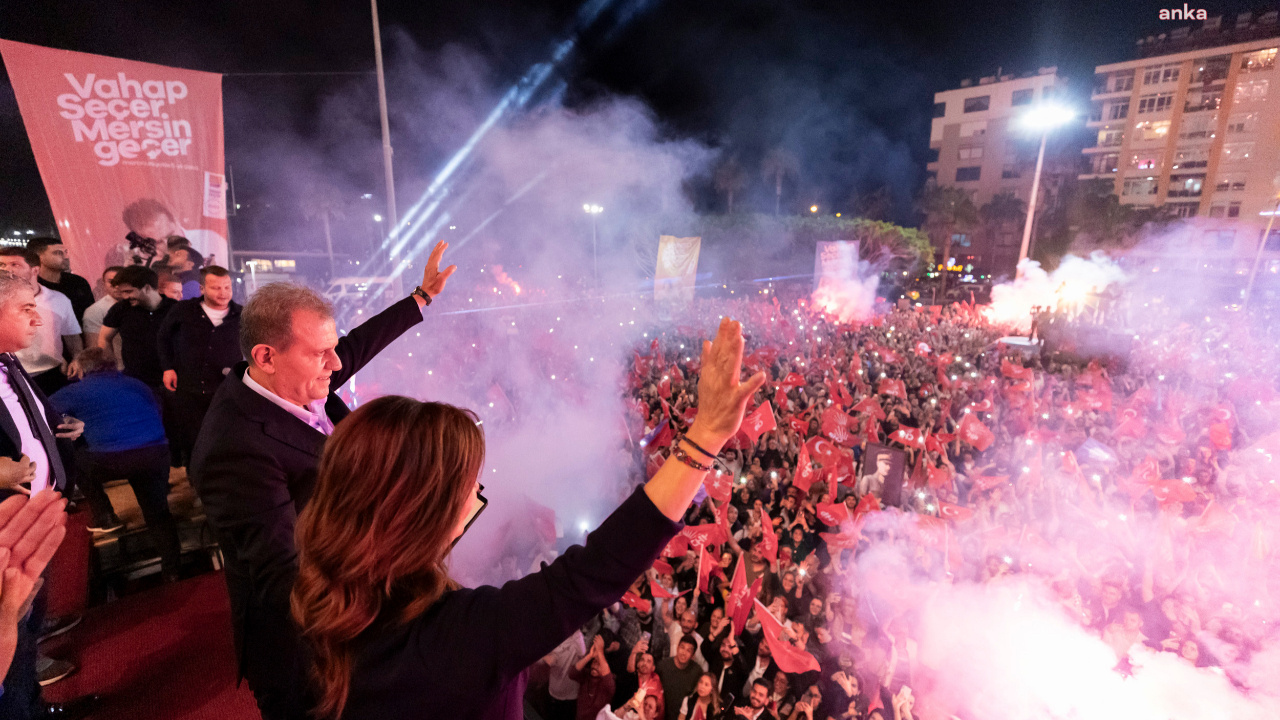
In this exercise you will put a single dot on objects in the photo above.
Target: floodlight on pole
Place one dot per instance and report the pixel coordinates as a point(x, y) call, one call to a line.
point(1042, 118)
point(594, 211)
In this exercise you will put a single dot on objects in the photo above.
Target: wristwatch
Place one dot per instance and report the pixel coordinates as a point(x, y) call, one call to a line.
point(419, 292)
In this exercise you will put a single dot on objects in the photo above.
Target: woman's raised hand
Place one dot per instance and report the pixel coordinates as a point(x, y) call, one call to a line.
point(722, 398)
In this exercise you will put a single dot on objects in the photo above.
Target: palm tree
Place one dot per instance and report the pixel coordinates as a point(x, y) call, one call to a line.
point(779, 164)
point(730, 179)
point(1003, 208)
point(947, 210)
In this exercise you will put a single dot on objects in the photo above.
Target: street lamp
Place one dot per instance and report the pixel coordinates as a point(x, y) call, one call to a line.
point(594, 211)
point(1041, 118)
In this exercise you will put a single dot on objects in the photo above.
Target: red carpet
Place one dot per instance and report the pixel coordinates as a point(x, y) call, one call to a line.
point(162, 654)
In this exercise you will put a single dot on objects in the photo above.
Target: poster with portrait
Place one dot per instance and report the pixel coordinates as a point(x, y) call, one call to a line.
point(882, 474)
point(126, 150)
point(677, 268)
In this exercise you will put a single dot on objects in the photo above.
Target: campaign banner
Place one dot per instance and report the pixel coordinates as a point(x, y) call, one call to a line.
point(834, 263)
point(130, 153)
point(677, 268)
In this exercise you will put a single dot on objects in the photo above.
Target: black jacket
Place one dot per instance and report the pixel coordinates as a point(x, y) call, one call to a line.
point(254, 467)
point(200, 353)
point(11, 442)
point(466, 656)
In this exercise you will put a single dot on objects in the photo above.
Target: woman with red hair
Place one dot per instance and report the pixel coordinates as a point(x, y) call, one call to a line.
point(392, 635)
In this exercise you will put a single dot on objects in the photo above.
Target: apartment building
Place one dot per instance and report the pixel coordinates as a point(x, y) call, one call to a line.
point(976, 145)
point(1194, 124)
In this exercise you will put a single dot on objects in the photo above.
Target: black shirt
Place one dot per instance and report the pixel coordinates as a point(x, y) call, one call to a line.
point(200, 353)
point(139, 330)
point(76, 289)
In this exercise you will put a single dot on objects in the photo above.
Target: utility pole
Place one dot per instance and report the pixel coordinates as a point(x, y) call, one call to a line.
point(386, 137)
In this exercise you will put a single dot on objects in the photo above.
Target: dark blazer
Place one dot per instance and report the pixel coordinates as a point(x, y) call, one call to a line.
point(254, 467)
point(11, 442)
point(200, 353)
point(466, 656)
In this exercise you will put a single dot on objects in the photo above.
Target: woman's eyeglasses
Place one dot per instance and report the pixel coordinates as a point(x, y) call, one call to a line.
point(473, 512)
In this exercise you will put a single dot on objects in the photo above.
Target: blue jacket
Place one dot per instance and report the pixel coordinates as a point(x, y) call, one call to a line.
point(119, 412)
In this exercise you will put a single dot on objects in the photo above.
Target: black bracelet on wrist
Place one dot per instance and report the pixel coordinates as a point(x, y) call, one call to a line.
point(697, 447)
point(419, 292)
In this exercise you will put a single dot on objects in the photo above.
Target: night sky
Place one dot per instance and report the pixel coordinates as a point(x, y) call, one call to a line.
point(845, 86)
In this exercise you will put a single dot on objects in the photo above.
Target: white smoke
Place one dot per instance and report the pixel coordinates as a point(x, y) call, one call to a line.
point(1067, 288)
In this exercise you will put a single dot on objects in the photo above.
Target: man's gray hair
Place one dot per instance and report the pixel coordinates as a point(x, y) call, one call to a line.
point(267, 319)
point(10, 284)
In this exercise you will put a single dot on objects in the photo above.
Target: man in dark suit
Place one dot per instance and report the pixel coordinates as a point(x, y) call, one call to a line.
point(35, 453)
point(199, 343)
point(254, 462)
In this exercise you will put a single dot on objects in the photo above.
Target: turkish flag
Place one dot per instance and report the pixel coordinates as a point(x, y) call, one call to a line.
point(633, 600)
point(832, 514)
point(805, 474)
point(659, 592)
point(790, 659)
point(1015, 372)
point(870, 405)
point(938, 476)
point(792, 380)
point(780, 399)
point(923, 349)
point(689, 414)
point(920, 476)
point(707, 566)
point(664, 436)
point(890, 356)
point(933, 444)
point(1224, 413)
point(868, 504)
point(972, 431)
point(894, 388)
point(848, 536)
point(664, 387)
point(944, 381)
point(760, 421)
point(1069, 464)
point(1220, 436)
point(1131, 424)
point(821, 450)
point(984, 406)
point(719, 486)
point(1215, 519)
point(663, 567)
point(1168, 492)
point(955, 513)
point(737, 607)
point(799, 426)
point(909, 436)
point(986, 482)
point(768, 540)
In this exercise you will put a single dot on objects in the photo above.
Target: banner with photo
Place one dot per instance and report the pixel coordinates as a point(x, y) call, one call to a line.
point(834, 263)
point(130, 153)
point(677, 268)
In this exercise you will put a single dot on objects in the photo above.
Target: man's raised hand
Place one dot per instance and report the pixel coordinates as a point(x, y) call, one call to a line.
point(722, 397)
point(433, 278)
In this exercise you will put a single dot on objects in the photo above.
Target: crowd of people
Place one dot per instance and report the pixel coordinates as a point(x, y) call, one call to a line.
point(1114, 484)
point(104, 388)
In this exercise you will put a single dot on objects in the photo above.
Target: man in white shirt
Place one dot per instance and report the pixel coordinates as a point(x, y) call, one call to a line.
point(58, 332)
point(92, 323)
